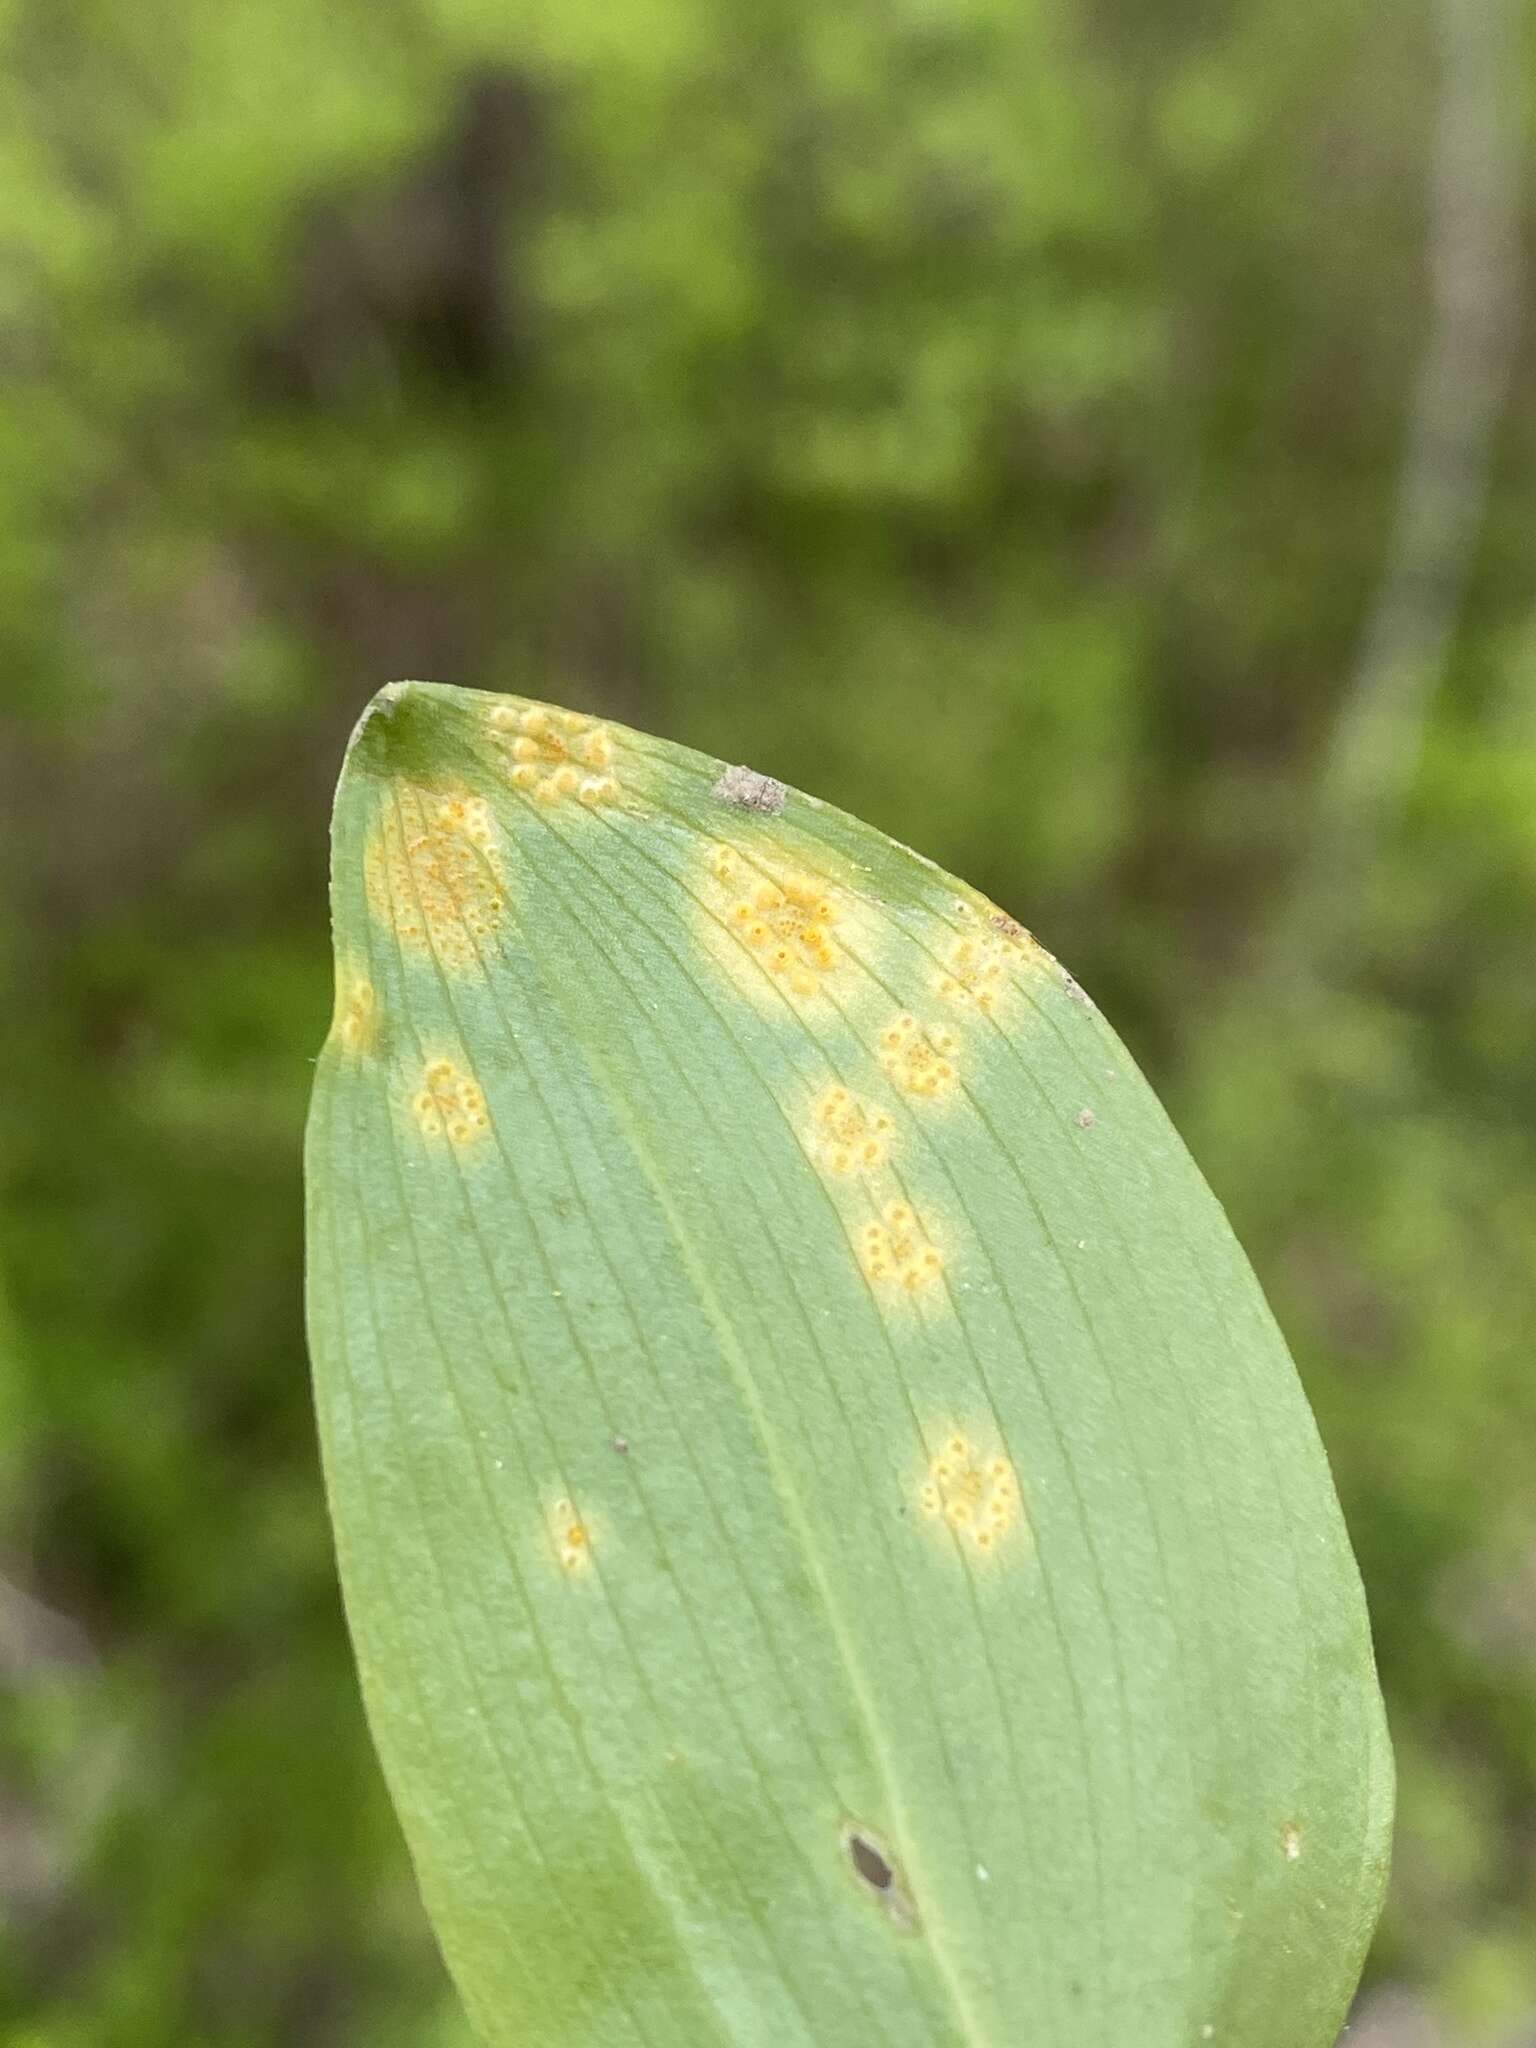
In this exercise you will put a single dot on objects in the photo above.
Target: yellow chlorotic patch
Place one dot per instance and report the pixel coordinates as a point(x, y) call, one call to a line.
point(895, 1253)
point(919, 1061)
point(432, 869)
point(449, 1104)
point(846, 1135)
point(976, 974)
point(357, 1014)
point(569, 1534)
point(556, 756)
point(976, 1495)
point(785, 922)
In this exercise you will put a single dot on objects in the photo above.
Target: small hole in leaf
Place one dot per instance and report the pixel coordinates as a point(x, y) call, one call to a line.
point(880, 1877)
point(869, 1863)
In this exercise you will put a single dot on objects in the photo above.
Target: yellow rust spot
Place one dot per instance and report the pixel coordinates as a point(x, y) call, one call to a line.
point(846, 1135)
point(1290, 1842)
point(920, 1060)
point(569, 1534)
point(449, 1104)
point(975, 1495)
point(356, 1023)
point(556, 756)
point(786, 922)
point(895, 1252)
point(976, 974)
point(433, 872)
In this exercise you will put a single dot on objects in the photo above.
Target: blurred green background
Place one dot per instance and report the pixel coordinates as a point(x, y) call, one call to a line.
point(1094, 440)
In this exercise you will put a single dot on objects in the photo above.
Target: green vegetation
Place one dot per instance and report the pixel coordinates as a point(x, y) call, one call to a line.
point(992, 417)
point(785, 1443)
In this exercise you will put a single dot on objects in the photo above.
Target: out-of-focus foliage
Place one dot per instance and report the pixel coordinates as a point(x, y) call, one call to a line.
point(986, 413)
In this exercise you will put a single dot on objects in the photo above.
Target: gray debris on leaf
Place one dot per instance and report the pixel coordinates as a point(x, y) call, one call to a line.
point(749, 791)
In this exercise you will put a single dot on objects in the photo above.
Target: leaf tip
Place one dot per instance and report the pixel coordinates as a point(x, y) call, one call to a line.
point(377, 712)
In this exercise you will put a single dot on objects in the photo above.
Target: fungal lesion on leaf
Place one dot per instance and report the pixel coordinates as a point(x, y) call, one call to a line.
point(980, 913)
point(847, 1136)
point(896, 1254)
point(432, 872)
point(787, 922)
point(972, 1492)
point(554, 756)
point(975, 973)
point(879, 1875)
point(919, 1059)
point(355, 1025)
point(570, 1536)
point(449, 1103)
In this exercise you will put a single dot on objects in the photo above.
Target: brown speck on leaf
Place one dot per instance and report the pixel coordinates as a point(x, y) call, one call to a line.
point(749, 791)
point(879, 1876)
point(1008, 926)
point(870, 1864)
point(1086, 1119)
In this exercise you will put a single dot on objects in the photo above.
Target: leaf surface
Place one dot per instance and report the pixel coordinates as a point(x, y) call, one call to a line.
point(835, 1545)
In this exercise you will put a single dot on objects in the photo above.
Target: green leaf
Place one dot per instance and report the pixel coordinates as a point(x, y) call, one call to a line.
point(836, 1548)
